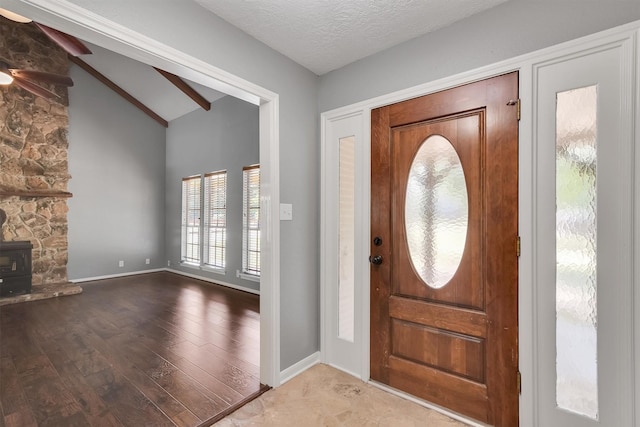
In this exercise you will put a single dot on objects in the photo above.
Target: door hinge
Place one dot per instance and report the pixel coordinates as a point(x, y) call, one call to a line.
point(518, 246)
point(517, 103)
point(519, 383)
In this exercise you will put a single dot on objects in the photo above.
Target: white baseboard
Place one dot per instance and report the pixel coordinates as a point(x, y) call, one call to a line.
point(214, 281)
point(353, 374)
point(113, 276)
point(299, 367)
point(156, 270)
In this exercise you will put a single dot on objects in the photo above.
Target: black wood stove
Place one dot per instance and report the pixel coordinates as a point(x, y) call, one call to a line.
point(15, 268)
point(15, 265)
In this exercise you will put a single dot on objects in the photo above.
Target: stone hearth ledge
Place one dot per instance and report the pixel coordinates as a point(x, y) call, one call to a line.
point(40, 292)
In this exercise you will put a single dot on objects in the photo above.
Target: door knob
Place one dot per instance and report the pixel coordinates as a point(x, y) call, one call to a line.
point(376, 259)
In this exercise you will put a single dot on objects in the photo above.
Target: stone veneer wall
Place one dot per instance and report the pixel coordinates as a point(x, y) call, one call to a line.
point(33, 153)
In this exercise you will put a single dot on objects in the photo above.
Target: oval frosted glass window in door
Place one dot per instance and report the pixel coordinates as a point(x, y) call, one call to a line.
point(436, 211)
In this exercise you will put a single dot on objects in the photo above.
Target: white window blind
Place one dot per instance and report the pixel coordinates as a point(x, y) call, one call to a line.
point(215, 219)
point(251, 220)
point(191, 198)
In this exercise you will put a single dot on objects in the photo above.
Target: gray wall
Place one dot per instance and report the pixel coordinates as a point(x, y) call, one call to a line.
point(503, 32)
point(224, 138)
point(117, 167)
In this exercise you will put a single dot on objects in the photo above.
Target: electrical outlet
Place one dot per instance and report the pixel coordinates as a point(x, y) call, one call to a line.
point(147, 261)
point(120, 263)
point(168, 263)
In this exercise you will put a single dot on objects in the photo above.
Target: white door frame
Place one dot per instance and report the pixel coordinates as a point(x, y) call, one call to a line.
point(96, 29)
point(527, 229)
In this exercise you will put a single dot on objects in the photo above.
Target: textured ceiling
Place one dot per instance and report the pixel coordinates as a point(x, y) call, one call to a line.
point(323, 35)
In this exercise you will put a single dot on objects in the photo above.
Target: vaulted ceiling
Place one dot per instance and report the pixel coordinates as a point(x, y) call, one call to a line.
point(146, 84)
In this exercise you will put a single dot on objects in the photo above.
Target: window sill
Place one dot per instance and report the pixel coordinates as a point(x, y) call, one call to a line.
point(250, 277)
point(204, 268)
point(189, 265)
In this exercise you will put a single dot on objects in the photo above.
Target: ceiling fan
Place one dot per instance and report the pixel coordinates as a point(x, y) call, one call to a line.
point(70, 44)
point(25, 79)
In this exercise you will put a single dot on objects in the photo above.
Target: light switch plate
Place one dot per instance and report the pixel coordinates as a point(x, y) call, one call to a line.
point(286, 212)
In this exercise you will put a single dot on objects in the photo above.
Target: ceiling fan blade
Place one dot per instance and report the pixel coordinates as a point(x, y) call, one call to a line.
point(14, 16)
point(34, 88)
point(41, 76)
point(72, 45)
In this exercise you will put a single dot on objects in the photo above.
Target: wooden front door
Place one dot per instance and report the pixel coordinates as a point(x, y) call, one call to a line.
point(444, 229)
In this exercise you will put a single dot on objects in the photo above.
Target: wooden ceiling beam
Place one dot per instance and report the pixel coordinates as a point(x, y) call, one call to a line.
point(117, 89)
point(184, 87)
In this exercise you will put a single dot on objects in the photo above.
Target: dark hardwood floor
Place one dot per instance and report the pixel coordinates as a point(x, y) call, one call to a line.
point(150, 350)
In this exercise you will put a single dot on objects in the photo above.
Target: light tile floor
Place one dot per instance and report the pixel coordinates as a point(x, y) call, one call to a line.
point(326, 397)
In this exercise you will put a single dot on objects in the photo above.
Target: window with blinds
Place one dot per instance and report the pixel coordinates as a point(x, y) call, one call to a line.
point(191, 199)
point(215, 219)
point(204, 220)
point(251, 220)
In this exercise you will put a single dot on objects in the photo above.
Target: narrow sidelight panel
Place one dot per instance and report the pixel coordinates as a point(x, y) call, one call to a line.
point(346, 238)
point(576, 252)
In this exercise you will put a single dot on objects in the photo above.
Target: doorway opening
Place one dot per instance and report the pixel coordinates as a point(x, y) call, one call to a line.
point(87, 26)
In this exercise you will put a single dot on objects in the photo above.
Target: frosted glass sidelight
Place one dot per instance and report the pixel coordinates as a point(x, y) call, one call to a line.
point(346, 239)
point(436, 211)
point(576, 302)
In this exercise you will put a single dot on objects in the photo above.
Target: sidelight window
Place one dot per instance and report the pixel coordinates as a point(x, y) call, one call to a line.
point(346, 237)
point(576, 252)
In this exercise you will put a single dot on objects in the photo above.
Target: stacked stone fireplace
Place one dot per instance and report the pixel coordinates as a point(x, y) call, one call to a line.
point(33, 155)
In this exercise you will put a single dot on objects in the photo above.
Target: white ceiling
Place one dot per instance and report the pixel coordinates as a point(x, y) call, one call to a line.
point(146, 84)
point(323, 35)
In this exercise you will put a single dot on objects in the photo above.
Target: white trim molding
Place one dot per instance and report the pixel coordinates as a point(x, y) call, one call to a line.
point(636, 210)
point(80, 22)
point(250, 277)
point(212, 281)
point(299, 367)
point(115, 276)
point(170, 270)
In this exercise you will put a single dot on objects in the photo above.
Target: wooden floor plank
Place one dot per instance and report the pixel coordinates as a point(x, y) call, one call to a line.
point(198, 375)
point(196, 398)
point(45, 393)
point(11, 391)
point(22, 417)
point(96, 411)
point(185, 419)
point(221, 369)
point(150, 350)
point(118, 355)
point(128, 404)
